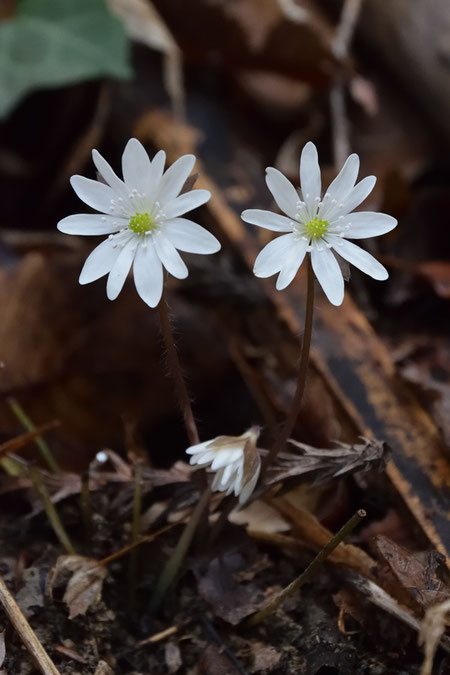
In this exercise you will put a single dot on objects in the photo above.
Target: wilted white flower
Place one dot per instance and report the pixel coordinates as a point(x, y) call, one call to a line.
point(319, 225)
point(235, 459)
point(141, 215)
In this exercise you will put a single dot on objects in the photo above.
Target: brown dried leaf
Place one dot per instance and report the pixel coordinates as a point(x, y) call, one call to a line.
point(261, 517)
point(264, 657)
point(435, 621)
point(214, 662)
point(217, 584)
point(418, 579)
point(323, 465)
point(31, 594)
point(144, 24)
point(85, 584)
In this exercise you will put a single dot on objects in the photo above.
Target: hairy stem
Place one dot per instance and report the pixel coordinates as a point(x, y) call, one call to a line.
point(177, 374)
point(289, 425)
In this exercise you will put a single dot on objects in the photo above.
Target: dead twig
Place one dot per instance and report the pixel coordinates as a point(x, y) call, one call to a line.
point(26, 633)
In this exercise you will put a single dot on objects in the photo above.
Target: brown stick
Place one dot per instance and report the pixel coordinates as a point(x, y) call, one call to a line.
point(177, 374)
point(26, 633)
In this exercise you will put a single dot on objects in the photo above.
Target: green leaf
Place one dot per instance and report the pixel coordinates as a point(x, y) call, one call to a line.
point(51, 43)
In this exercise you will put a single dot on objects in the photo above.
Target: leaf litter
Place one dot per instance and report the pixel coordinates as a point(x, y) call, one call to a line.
point(352, 375)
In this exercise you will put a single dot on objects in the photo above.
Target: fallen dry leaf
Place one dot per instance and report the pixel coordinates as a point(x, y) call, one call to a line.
point(261, 517)
point(418, 579)
point(144, 24)
point(217, 584)
point(31, 594)
point(435, 621)
point(214, 662)
point(85, 584)
point(323, 465)
point(264, 657)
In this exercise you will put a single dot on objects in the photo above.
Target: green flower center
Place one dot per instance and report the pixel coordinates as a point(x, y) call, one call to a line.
point(316, 228)
point(142, 223)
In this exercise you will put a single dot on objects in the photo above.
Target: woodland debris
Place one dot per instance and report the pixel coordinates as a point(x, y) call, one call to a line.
point(84, 587)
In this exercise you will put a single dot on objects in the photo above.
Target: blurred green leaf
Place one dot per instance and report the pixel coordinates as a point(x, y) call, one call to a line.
point(51, 43)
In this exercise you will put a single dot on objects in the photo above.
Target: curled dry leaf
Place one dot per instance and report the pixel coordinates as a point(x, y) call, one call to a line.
point(326, 464)
point(418, 579)
point(433, 626)
point(85, 584)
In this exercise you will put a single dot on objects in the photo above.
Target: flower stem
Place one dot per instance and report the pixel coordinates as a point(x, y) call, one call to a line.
point(175, 561)
point(21, 415)
point(305, 576)
point(50, 510)
point(289, 425)
point(177, 374)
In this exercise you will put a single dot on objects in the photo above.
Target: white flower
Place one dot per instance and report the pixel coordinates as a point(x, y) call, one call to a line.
point(141, 215)
point(319, 225)
point(234, 458)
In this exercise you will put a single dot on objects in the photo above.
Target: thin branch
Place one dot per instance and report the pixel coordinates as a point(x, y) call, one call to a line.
point(26, 633)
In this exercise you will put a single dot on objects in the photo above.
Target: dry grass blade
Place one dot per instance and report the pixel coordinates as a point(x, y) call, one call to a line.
point(27, 635)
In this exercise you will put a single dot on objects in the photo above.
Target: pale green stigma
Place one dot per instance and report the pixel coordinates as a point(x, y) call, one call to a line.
point(316, 228)
point(142, 223)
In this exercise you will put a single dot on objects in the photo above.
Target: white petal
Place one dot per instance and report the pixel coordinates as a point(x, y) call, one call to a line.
point(169, 256)
point(327, 270)
point(174, 178)
point(345, 180)
point(283, 191)
point(91, 224)
point(187, 236)
point(102, 259)
point(96, 195)
point(226, 475)
point(119, 272)
point(148, 274)
point(108, 174)
point(292, 263)
point(184, 203)
point(273, 256)
point(365, 224)
point(198, 447)
point(358, 257)
point(136, 166)
point(268, 219)
point(358, 194)
point(310, 179)
point(226, 456)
